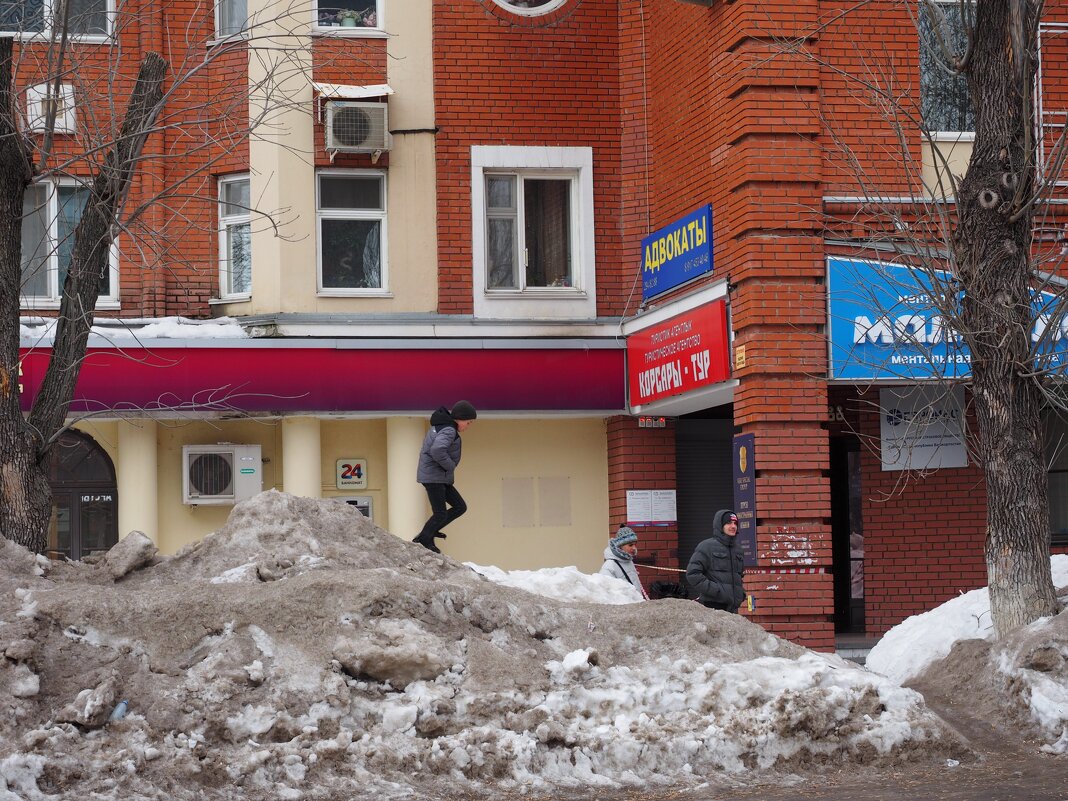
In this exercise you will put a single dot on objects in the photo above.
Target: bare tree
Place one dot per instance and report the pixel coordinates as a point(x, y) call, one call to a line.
point(132, 134)
point(981, 265)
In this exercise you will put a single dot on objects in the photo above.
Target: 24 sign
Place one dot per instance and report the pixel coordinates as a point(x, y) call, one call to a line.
point(352, 473)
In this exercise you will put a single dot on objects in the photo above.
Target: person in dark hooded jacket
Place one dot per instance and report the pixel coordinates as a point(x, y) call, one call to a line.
point(716, 568)
point(438, 459)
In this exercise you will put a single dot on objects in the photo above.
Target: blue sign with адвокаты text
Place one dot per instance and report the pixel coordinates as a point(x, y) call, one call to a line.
point(677, 253)
point(885, 321)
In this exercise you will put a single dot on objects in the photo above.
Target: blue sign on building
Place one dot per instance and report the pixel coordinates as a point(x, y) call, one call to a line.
point(677, 253)
point(884, 324)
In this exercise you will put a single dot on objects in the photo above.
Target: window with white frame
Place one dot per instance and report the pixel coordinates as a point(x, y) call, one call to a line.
point(528, 230)
point(84, 17)
point(532, 232)
point(351, 221)
point(343, 15)
point(231, 17)
point(50, 213)
point(235, 237)
point(945, 103)
point(530, 8)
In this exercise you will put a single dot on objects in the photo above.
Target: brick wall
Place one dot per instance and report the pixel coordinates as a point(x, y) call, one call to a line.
point(643, 459)
point(503, 79)
point(923, 535)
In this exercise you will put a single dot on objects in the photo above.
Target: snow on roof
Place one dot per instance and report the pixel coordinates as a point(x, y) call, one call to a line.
point(338, 91)
point(41, 330)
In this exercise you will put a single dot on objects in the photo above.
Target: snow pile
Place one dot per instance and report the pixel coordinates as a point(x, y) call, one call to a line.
point(1024, 678)
point(300, 652)
point(563, 584)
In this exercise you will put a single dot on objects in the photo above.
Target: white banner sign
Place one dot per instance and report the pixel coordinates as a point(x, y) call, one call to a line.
point(922, 428)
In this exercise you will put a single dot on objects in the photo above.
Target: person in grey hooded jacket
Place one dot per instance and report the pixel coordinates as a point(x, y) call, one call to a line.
point(716, 568)
point(438, 459)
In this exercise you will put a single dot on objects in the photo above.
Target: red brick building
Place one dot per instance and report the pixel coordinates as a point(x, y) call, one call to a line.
point(487, 238)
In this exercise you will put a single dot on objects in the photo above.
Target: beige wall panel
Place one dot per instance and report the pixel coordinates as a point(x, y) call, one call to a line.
point(181, 524)
point(952, 157)
point(502, 458)
point(358, 439)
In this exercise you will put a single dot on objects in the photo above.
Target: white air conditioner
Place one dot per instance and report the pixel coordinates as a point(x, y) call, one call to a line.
point(220, 475)
point(353, 127)
point(42, 98)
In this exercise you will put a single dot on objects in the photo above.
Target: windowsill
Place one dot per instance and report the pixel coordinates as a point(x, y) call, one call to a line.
point(48, 304)
point(355, 32)
point(230, 299)
point(541, 293)
point(953, 136)
point(232, 38)
point(37, 36)
point(354, 293)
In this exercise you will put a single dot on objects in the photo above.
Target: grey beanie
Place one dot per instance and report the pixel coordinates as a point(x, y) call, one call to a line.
point(625, 536)
point(462, 410)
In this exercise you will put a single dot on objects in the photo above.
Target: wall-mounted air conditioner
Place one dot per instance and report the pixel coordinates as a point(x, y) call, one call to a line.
point(219, 475)
point(43, 98)
point(354, 127)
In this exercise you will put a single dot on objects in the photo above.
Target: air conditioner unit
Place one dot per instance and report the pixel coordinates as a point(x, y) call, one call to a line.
point(354, 127)
point(220, 475)
point(42, 99)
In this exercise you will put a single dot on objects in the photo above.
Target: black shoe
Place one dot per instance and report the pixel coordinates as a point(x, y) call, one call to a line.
point(428, 544)
point(440, 535)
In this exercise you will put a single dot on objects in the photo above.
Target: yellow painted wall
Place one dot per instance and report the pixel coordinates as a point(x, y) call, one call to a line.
point(496, 451)
point(357, 439)
point(498, 454)
point(951, 157)
point(181, 524)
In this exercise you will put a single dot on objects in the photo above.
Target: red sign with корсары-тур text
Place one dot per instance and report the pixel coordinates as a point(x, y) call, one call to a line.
point(681, 354)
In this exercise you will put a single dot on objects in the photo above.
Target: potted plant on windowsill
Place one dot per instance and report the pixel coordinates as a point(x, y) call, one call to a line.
point(348, 18)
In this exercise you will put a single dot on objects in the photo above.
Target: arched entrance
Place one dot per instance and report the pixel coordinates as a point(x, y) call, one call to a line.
point(84, 499)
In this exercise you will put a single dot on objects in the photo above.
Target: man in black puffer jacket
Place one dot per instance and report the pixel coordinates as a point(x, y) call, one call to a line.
point(716, 568)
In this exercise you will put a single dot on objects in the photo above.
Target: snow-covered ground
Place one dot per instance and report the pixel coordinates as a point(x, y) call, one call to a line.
point(1028, 671)
point(302, 653)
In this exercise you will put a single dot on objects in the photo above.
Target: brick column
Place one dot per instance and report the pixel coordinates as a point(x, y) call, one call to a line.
point(770, 243)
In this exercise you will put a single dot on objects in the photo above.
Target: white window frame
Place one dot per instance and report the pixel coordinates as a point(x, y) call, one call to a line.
point(382, 216)
point(577, 302)
point(219, 35)
point(225, 223)
point(378, 30)
point(530, 12)
point(52, 300)
point(66, 118)
point(46, 31)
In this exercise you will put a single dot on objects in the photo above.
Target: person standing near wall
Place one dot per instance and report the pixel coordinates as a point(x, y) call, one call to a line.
point(438, 459)
point(717, 566)
point(619, 558)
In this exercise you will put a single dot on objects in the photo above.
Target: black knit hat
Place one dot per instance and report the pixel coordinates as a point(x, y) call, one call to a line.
point(462, 410)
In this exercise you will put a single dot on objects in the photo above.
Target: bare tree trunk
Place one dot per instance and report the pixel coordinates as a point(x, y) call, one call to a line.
point(992, 246)
point(24, 498)
point(24, 485)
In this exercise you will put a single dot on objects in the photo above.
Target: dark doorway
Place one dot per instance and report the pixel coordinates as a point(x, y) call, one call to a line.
point(84, 498)
point(847, 535)
point(704, 478)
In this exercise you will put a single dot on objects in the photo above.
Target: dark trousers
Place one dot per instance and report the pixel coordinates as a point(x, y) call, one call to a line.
point(721, 607)
point(447, 505)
